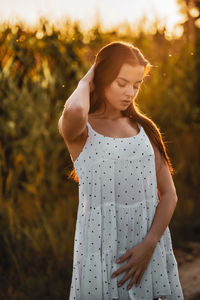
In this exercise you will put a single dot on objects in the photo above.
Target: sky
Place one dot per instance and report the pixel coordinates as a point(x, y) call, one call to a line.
point(111, 12)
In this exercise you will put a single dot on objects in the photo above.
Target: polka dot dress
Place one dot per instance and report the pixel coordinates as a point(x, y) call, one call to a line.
point(117, 202)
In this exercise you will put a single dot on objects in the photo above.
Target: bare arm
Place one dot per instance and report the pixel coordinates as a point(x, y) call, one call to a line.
point(75, 114)
point(167, 204)
point(79, 98)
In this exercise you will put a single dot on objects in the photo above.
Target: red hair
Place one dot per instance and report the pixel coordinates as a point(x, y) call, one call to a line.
point(108, 63)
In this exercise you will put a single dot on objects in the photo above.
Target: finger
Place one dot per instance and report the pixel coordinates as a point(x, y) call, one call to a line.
point(135, 276)
point(139, 278)
point(91, 68)
point(121, 270)
point(126, 277)
point(89, 75)
point(124, 256)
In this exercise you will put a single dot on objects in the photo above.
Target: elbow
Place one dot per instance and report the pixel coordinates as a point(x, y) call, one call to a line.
point(169, 196)
point(176, 198)
point(77, 110)
point(60, 125)
point(71, 123)
point(174, 195)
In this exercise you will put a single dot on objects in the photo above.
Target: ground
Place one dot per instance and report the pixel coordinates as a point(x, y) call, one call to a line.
point(188, 259)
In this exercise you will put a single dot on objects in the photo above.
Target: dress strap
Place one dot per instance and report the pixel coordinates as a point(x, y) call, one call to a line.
point(89, 127)
point(89, 124)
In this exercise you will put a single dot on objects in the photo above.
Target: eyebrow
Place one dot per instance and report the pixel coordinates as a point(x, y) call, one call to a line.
point(127, 80)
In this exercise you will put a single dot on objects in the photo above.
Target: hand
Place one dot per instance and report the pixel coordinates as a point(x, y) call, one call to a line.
point(140, 256)
point(89, 77)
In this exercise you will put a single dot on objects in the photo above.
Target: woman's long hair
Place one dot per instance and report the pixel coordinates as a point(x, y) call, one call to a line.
point(108, 63)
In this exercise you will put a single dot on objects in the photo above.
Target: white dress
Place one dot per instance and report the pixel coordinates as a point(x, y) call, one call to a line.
point(117, 202)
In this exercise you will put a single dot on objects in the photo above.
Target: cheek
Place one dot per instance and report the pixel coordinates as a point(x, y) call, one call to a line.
point(113, 92)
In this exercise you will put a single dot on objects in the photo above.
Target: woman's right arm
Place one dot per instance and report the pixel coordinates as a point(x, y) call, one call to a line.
point(74, 117)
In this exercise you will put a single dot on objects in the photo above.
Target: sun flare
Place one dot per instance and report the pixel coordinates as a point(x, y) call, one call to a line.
point(109, 13)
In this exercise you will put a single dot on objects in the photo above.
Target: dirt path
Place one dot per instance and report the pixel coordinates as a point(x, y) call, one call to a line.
point(189, 270)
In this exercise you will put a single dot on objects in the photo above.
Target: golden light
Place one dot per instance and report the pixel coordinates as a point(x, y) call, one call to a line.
point(197, 23)
point(194, 12)
point(39, 35)
point(110, 14)
point(178, 31)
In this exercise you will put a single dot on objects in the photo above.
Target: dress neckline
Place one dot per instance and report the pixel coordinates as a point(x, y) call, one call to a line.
point(117, 138)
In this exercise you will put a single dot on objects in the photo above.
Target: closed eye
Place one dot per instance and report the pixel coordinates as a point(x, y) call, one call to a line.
point(123, 85)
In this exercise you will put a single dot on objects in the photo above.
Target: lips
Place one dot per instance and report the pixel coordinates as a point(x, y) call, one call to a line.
point(126, 101)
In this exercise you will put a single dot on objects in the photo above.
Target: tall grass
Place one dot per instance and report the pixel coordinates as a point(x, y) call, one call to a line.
point(38, 203)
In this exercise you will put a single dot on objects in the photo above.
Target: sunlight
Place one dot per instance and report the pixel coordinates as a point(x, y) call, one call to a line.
point(88, 12)
point(194, 12)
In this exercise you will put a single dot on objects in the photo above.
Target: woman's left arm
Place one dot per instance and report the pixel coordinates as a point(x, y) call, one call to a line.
point(168, 200)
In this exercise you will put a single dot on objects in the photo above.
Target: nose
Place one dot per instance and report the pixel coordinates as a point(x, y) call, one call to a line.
point(130, 91)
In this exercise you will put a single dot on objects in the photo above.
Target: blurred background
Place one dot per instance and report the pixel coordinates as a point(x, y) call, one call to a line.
point(46, 47)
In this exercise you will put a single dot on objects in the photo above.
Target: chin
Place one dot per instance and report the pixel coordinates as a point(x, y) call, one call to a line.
point(125, 108)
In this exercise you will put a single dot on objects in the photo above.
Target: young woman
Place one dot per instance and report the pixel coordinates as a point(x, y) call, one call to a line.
point(122, 246)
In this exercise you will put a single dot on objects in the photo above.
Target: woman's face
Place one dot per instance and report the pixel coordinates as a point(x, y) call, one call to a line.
point(124, 87)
